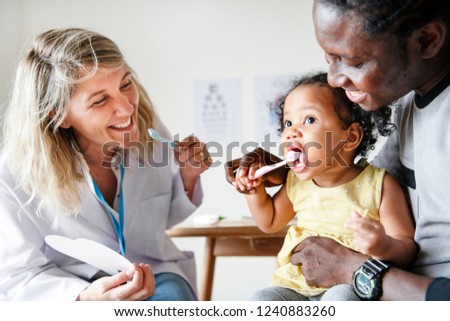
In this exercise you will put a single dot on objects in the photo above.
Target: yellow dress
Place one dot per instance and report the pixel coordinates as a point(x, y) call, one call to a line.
point(323, 212)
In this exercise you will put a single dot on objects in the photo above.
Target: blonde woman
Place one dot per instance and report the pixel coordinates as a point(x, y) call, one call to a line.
point(77, 161)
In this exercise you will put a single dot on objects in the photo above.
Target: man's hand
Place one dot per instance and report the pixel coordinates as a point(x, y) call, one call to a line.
point(325, 262)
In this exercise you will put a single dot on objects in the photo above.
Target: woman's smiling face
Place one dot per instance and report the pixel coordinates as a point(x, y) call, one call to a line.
point(103, 109)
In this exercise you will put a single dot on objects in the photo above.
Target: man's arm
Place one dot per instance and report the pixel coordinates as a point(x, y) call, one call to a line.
point(326, 263)
point(401, 285)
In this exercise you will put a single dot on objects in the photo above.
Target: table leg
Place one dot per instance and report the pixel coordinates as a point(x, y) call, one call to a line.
point(209, 263)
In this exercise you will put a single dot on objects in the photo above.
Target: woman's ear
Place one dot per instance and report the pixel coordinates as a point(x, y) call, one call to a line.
point(65, 124)
point(354, 137)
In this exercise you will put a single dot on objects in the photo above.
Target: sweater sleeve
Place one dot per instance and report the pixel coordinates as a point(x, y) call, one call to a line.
point(438, 290)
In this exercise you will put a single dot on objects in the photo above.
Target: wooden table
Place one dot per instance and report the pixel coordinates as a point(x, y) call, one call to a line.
point(229, 238)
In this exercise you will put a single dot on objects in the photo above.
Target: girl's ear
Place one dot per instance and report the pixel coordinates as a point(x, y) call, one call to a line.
point(354, 137)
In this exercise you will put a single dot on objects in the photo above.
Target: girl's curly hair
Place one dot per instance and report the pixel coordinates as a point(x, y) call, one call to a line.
point(347, 111)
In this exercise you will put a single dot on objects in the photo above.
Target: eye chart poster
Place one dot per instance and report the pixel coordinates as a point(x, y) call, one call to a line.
point(218, 110)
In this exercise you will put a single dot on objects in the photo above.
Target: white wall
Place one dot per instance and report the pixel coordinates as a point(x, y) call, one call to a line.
point(10, 38)
point(171, 43)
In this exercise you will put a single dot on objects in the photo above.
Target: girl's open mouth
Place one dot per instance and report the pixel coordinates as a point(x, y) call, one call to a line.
point(300, 163)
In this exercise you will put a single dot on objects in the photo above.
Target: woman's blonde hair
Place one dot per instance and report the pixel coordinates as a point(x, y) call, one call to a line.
point(41, 154)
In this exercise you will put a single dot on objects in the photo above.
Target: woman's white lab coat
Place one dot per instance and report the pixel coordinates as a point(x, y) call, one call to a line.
point(154, 200)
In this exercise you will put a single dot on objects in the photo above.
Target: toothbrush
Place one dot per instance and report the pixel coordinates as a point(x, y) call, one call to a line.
point(154, 134)
point(290, 157)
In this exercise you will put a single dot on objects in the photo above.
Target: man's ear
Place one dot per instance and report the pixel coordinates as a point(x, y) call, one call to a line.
point(430, 38)
point(354, 137)
point(65, 124)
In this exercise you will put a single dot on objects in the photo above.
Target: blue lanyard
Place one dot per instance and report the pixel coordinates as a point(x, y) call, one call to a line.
point(118, 226)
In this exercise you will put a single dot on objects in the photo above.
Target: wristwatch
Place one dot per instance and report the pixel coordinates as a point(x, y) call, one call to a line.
point(367, 279)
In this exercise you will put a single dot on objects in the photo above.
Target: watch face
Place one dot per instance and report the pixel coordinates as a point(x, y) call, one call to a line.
point(363, 284)
point(367, 279)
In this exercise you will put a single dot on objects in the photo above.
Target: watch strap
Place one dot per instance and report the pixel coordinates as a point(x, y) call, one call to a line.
point(374, 270)
point(376, 267)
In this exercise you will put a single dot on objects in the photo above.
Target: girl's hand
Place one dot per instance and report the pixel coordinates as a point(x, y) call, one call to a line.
point(247, 166)
point(369, 235)
point(131, 285)
point(245, 181)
